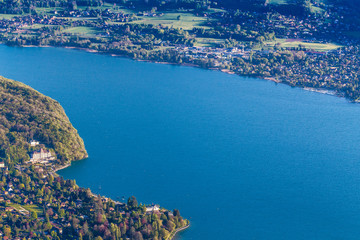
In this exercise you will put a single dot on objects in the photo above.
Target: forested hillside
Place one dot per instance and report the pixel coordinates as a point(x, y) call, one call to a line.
point(295, 7)
point(29, 6)
point(26, 114)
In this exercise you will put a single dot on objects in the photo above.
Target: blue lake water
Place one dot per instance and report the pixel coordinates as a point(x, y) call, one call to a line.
point(241, 158)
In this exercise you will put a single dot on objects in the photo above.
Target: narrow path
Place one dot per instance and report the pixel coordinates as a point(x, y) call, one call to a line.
point(173, 234)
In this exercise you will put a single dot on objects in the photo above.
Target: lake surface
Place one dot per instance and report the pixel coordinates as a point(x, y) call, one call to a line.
point(241, 158)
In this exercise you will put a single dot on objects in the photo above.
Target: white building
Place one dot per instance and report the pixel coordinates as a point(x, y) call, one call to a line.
point(41, 156)
point(33, 143)
point(2, 164)
point(153, 208)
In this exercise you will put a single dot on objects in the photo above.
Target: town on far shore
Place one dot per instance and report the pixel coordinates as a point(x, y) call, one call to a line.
point(301, 44)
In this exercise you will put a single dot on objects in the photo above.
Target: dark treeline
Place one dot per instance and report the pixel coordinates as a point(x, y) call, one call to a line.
point(293, 7)
point(29, 6)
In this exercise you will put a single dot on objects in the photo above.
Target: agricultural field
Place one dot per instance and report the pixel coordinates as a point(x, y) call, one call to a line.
point(181, 20)
point(279, 2)
point(208, 42)
point(313, 8)
point(82, 31)
point(8, 16)
point(49, 11)
point(295, 43)
point(36, 26)
point(34, 208)
point(30, 208)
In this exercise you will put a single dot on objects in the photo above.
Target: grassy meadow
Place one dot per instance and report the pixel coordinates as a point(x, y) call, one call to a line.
point(295, 43)
point(181, 20)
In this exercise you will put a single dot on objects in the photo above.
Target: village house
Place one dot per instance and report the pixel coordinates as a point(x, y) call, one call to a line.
point(153, 208)
point(41, 156)
point(2, 164)
point(34, 143)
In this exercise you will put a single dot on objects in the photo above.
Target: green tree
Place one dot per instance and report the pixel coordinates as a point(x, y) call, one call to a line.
point(34, 215)
point(7, 231)
point(132, 202)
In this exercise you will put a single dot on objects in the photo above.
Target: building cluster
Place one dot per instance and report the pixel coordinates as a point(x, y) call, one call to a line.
point(42, 156)
point(152, 208)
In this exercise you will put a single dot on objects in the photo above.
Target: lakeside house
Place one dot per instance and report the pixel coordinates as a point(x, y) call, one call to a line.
point(153, 208)
point(41, 156)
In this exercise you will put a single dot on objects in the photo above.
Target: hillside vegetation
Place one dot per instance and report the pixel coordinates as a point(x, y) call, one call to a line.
point(26, 114)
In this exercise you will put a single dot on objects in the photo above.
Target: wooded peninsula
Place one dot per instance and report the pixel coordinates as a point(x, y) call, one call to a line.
point(303, 43)
point(37, 203)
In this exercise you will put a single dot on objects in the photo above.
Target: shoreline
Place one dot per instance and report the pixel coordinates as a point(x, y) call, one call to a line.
point(322, 91)
point(66, 165)
point(176, 231)
point(58, 168)
point(61, 167)
point(271, 79)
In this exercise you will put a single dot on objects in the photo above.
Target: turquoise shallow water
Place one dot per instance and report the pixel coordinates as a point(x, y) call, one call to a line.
point(241, 158)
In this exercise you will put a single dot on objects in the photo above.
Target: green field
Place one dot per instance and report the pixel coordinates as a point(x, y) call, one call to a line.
point(278, 1)
point(313, 8)
point(34, 208)
point(8, 16)
point(85, 31)
point(29, 207)
point(37, 26)
point(49, 10)
point(208, 42)
point(286, 43)
point(187, 21)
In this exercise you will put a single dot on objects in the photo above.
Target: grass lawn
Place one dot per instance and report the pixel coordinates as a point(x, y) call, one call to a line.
point(49, 10)
point(320, 47)
point(104, 6)
point(37, 26)
point(187, 20)
point(8, 16)
point(313, 8)
point(30, 208)
point(34, 208)
point(208, 42)
point(127, 11)
point(215, 10)
point(278, 1)
point(77, 18)
point(86, 31)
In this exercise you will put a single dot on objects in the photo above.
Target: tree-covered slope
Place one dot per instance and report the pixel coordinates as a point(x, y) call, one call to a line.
point(27, 6)
point(26, 114)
